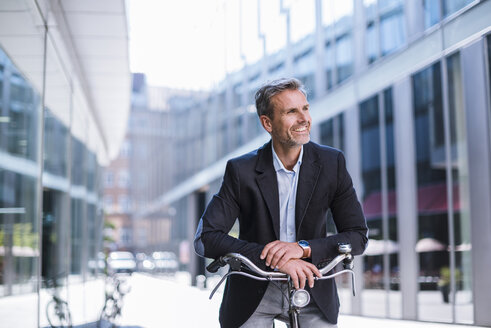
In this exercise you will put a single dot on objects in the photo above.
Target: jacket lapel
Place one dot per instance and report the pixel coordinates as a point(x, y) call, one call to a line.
point(309, 173)
point(268, 185)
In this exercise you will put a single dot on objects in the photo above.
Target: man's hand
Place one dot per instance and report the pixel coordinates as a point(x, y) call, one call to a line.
point(277, 253)
point(300, 271)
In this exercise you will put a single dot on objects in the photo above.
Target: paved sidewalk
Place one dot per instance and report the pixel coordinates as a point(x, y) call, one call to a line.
point(160, 303)
point(156, 303)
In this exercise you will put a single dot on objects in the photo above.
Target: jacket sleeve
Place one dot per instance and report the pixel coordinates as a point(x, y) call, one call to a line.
point(220, 215)
point(348, 217)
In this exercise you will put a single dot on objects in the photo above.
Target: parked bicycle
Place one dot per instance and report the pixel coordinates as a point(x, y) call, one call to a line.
point(116, 289)
point(298, 298)
point(57, 309)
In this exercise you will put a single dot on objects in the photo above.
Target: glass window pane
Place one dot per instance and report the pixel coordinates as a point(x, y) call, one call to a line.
point(462, 238)
point(394, 302)
point(344, 57)
point(372, 42)
point(381, 270)
point(391, 31)
point(78, 162)
point(21, 83)
point(370, 9)
point(431, 12)
point(372, 206)
point(431, 193)
point(451, 6)
point(327, 132)
point(55, 145)
point(19, 240)
point(488, 42)
point(332, 132)
point(329, 65)
point(18, 111)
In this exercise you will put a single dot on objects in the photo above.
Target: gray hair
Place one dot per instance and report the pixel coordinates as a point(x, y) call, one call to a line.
point(268, 90)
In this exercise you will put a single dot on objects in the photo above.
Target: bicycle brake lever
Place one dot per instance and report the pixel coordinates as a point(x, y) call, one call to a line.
point(348, 262)
point(215, 265)
point(353, 284)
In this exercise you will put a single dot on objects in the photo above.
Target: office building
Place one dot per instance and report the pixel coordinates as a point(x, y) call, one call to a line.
point(402, 87)
point(64, 102)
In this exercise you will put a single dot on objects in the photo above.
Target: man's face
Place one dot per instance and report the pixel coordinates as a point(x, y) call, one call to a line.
point(291, 121)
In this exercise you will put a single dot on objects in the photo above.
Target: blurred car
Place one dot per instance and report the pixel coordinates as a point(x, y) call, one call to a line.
point(121, 262)
point(144, 263)
point(165, 262)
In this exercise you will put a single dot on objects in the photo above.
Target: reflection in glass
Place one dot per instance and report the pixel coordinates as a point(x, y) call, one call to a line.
point(371, 42)
point(431, 189)
point(76, 240)
point(94, 243)
point(19, 235)
point(444, 233)
point(391, 30)
point(54, 262)
point(78, 162)
point(451, 6)
point(337, 17)
point(344, 57)
point(19, 105)
point(488, 42)
point(461, 218)
point(55, 145)
point(332, 132)
point(384, 28)
point(19, 241)
point(434, 9)
point(381, 273)
point(329, 65)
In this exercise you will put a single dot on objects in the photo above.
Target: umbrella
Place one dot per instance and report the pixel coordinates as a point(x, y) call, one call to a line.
point(429, 245)
point(379, 247)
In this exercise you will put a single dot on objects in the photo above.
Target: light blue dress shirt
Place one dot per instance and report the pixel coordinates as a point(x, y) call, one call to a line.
point(287, 190)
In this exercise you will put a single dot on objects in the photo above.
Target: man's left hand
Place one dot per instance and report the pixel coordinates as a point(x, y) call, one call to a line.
point(277, 253)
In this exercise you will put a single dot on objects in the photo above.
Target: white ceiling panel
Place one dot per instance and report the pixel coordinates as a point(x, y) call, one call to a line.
point(104, 48)
point(13, 5)
point(22, 46)
point(13, 23)
point(94, 6)
point(99, 65)
point(90, 41)
point(96, 25)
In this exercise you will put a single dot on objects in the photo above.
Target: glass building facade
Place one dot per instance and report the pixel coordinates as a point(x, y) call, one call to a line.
point(402, 87)
point(51, 152)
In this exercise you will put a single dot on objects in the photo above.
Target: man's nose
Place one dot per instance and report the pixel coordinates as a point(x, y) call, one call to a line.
point(304, 116)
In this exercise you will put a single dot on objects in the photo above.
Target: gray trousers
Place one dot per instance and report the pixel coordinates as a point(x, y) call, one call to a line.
point(274, 305)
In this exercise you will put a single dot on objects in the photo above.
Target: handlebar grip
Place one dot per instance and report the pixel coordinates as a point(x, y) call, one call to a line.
point(215, 265)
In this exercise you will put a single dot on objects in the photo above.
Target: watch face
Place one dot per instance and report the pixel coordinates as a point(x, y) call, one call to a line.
point(303, 243)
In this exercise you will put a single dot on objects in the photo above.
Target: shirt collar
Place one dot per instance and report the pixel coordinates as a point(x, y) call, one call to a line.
point(278, 165)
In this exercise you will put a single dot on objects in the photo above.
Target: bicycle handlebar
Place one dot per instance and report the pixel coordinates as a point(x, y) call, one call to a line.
point(238, 262)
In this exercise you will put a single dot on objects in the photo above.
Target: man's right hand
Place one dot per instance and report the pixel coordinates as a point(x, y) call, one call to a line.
point(300, 271)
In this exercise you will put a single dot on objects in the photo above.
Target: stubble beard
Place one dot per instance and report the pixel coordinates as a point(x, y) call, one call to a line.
point(292, 142)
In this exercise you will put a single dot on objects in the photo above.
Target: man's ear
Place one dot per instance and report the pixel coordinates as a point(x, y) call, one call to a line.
point(266, 123)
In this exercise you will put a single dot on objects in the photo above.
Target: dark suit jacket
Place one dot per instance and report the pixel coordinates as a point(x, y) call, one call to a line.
point(249, 192)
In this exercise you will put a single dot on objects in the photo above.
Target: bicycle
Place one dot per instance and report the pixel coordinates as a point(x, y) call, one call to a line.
point(57, 309)
point(115, 291)
point(297, 298)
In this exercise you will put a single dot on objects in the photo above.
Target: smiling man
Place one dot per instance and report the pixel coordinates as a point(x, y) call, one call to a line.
point(281, 193)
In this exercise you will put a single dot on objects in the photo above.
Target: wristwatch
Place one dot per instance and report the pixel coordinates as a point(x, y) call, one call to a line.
point(305, 246)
